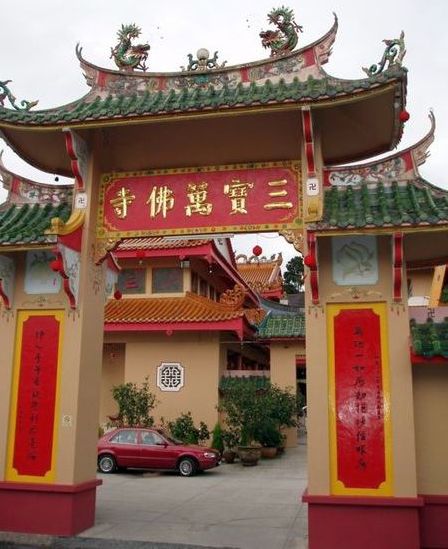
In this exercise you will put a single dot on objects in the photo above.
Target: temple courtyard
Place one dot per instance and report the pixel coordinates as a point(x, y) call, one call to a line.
point(228, 507)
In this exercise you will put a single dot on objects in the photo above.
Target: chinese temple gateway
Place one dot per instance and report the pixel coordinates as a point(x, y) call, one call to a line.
point(213, 150)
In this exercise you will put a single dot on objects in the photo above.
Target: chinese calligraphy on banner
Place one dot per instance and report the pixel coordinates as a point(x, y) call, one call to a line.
point(359, 400)
point(240, 198)
point(34, 399)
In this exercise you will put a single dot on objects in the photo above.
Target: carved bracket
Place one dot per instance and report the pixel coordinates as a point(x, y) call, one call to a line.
point(312, 185)
point(78, 152)
point(311, 262)
point(67, 264)
point(397, 269)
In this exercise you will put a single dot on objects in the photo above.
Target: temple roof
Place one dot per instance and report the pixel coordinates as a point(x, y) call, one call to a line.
point(282, 82)
point(187, 313)
point(158, 243)
point(275, 326)
point(385, 193)
point(262, 275)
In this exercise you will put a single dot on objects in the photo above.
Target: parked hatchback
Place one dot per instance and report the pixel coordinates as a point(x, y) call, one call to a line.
point(150, 449)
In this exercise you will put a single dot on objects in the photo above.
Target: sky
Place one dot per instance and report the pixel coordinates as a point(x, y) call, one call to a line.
point(39, 40)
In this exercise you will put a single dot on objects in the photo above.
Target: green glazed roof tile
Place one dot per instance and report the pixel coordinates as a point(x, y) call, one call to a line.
point(376, 205)
point(430, 339)
point(141, 103)
point(27, 224)
point(273, 326)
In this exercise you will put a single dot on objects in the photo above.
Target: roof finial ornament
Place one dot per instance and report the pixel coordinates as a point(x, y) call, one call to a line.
point(283, 40)
point(203, 61)
point(393, 55)
point(126, 56)
point(5, 92)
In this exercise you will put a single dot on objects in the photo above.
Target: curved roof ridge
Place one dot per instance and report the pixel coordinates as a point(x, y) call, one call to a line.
point(323, 44)
point(398, 166)
point(22, 190)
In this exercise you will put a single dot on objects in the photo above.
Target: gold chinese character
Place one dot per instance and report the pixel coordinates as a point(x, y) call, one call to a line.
point(277, 194)
point(160, 201)
point(120, 204)
point(237, 191)
point(197, 195)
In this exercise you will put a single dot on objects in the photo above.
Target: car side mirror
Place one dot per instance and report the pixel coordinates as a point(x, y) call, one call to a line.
point(164, 444)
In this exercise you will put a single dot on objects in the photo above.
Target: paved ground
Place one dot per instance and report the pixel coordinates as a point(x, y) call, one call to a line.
point(229, 507)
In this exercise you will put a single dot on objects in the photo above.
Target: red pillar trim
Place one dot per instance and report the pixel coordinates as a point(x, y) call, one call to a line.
point(307, 124)
point(311, 263)
point(4, 297)
point(434, 521)
point(65, 278)
point(398, 266)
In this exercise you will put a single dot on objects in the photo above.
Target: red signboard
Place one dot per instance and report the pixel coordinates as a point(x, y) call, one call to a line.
point(201, 200)
point(360, 433)
point(33, 442)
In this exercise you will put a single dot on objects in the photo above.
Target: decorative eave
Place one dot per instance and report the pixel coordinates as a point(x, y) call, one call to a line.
point(26, 191)
point(383, 195)
point(263, 276)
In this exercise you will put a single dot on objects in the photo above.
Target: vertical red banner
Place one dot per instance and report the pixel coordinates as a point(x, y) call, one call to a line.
point(359, 401)
point(36, 395)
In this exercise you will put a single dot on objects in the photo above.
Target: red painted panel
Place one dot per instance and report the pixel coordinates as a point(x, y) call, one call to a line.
point(359, 399)
point(36, 396)
point(237, 199)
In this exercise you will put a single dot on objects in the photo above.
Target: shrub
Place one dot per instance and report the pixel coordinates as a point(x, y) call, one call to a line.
point(268, 435)
point(183, 429)
point(217, 438)
point(134, 404)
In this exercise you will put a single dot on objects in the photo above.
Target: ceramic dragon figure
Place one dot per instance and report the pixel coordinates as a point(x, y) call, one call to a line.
point(285, 39)
point(127, 56)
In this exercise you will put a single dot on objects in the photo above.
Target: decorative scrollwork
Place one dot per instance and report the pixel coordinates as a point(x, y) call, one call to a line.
point(233, 298)
point(5, 93)
point(127, 56)
point(393, 55)
point(203, 62)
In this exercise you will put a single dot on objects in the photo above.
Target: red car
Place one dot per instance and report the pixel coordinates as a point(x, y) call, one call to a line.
point(150, 449)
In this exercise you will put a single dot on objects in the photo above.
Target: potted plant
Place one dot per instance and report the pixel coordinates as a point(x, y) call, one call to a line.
point(217, 439)
point(268, 435)
point(183, 428)
point(243, 414)
point(230, 440)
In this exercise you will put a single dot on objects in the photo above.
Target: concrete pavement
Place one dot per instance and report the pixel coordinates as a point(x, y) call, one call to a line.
point(228, 507)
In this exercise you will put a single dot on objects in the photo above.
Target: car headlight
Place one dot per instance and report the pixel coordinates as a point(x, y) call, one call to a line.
point(209, 455)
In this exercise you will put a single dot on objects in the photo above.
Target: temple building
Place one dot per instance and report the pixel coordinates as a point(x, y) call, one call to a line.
point(165, 166)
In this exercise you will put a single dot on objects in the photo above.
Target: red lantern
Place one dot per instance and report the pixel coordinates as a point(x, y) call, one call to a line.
point(118, 295)
point(56, 265)
point(309, 261)
point(257, 250)
point(404, 116)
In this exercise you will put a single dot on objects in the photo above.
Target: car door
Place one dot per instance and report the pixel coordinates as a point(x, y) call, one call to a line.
point(126, 449)
point(155, 451)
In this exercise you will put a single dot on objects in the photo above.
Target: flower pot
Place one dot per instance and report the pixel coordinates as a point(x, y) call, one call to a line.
point(229, 456)
point(249, 455)
point(268, 452)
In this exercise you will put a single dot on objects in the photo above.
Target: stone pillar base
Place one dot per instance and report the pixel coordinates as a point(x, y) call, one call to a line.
point(53, 509)
point(363, 522)
point(434, 522)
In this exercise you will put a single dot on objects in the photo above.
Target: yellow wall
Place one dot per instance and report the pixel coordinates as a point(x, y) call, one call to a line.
point(199, 354)
point(431, 427)
point(112, 374)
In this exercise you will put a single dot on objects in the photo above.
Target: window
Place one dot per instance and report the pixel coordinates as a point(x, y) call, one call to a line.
point(203, 288)
point(195, 283)
point(167, 280)
point(151, 439)
point(132, 281)
point(170, 376)
point(125, 437)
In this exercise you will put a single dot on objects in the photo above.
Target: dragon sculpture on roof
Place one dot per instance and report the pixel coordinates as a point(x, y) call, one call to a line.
point(127, 56)
point(283, 40)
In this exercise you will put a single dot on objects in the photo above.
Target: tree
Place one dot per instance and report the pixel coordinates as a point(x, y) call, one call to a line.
point(134, 404)
point(293, 275)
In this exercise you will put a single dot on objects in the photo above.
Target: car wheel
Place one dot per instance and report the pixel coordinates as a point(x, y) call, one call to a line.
point(107, 464)
point(187, 467)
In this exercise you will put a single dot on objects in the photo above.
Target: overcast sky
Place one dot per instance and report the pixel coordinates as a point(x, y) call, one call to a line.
point(39, 39)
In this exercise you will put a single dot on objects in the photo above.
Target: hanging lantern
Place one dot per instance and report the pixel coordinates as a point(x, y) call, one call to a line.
point(404, 116)
point(56, 265)
point(310, 261)
point(257, 250)
point(118, 295)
